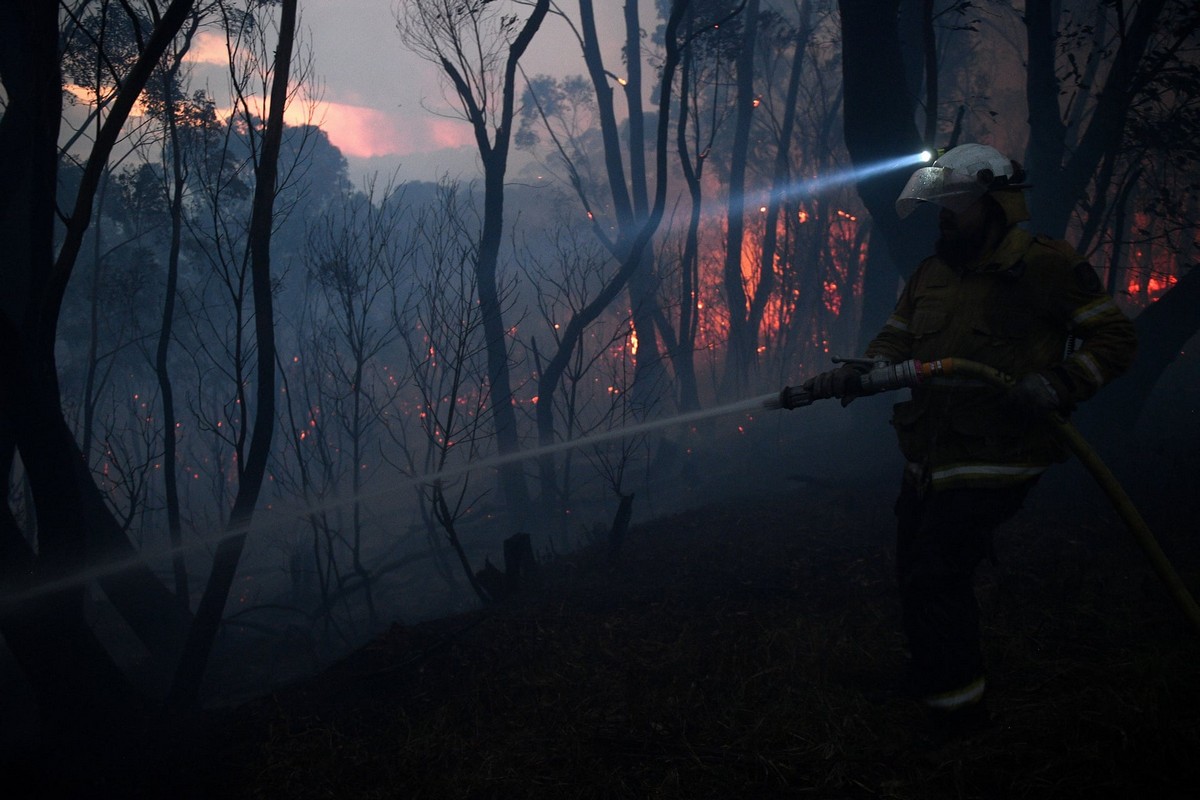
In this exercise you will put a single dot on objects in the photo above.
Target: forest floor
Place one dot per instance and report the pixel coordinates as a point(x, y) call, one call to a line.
point(732, 651)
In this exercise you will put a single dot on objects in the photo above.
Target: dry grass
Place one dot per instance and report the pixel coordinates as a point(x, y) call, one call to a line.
point(727, 655)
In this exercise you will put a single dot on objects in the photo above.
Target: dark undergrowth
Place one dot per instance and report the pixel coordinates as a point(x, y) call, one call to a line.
point(734, 651)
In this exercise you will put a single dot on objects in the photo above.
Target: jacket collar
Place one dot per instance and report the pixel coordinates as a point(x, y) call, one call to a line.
point(1006, 255)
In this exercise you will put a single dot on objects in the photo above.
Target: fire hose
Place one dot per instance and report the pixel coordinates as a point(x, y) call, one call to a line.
point(883, 377)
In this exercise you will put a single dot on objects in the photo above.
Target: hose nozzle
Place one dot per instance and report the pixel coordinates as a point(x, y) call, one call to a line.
point(883, 376)
point(872, 375)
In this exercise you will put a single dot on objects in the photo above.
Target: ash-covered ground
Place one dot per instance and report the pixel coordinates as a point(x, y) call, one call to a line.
point(735, 650)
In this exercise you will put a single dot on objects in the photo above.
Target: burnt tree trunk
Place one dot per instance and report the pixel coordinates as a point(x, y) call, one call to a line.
point(742, 338)
point(81, 694)
point(879, 125)
point(1064, 170)
point(193, 662)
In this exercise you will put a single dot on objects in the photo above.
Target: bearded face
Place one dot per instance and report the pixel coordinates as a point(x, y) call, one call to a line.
point(965, 235)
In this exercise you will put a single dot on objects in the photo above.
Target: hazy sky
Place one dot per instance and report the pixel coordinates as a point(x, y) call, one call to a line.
point(376, 94)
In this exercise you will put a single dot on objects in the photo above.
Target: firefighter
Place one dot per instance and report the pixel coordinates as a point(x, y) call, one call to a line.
point(1027, 305)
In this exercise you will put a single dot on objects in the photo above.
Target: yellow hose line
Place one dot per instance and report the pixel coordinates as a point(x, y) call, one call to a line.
point(1102, 474)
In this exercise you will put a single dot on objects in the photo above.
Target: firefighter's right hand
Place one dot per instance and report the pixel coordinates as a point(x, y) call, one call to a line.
point(1035, 393)
point(844, 383)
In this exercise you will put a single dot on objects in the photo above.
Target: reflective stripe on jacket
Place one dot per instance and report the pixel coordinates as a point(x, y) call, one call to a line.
point(956, 699)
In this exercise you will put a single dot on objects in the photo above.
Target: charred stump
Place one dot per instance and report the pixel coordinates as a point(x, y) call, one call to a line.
point(620, 526)
point(520, 569)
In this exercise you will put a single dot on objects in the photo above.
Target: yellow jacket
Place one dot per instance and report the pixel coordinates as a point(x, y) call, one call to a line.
point(1016, 310)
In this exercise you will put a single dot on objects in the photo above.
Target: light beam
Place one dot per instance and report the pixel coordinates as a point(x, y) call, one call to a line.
point(814, 186)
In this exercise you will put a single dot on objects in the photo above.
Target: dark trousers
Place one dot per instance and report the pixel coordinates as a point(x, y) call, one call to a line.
point(941, 538)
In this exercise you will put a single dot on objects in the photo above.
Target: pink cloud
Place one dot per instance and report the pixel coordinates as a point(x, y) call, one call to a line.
point(364, 132)
point(359, 131)
point(446, 133)
point(208, 48)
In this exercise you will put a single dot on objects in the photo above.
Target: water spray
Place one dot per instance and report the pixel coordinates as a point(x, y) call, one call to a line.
point(115, 567)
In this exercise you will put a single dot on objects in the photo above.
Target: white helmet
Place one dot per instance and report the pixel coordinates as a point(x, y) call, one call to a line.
point(959, 178)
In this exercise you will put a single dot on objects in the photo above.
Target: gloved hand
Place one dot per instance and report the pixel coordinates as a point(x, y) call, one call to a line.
point(842, 383)
point(1034, 392)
